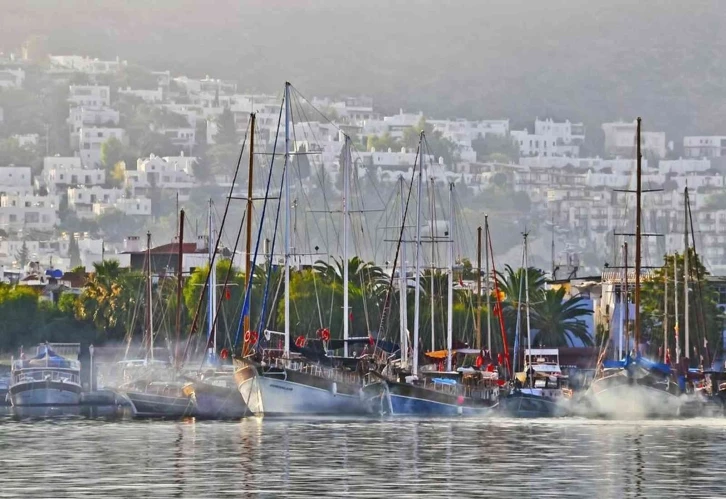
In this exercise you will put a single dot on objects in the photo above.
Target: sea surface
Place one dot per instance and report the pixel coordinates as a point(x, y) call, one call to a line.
point(363, 458)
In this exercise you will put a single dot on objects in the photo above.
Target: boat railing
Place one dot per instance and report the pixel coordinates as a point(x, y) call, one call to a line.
point(313, 369)
point(28, 376)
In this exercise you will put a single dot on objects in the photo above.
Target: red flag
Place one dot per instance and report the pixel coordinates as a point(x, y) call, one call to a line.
point(461, 282)
point(227, 294)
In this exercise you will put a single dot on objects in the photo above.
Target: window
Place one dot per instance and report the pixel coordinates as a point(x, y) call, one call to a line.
point(13, 218)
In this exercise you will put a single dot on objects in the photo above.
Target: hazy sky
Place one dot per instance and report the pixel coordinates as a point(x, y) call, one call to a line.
point(587, 60)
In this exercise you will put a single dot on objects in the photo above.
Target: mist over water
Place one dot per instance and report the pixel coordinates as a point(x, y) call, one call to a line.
point(364, 458)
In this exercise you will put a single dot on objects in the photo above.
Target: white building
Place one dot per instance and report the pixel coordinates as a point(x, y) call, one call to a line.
point(27, 139)
point(82, 199)
point(28, 212)
point(88, 117)
point(86, 64)
point(11, 78)
point(138, 206)
point(150, 96)
point(60, 172)
point(169, 173)
point(713, 146)
point(535, 145)
point(16, 180)
point(90, 95)
point(90, 140)
point(620, 140)
point(184, 137)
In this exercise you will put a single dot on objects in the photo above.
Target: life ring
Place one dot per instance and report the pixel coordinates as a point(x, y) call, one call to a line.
point(300, 341)
point(251, 337)
point(325, 334)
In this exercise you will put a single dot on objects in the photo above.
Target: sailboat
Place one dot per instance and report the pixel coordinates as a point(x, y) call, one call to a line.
point(285, 382)
point(213, 389)
point(466, 391)
point(634, 387)
point(153, 387)
point(537, 390)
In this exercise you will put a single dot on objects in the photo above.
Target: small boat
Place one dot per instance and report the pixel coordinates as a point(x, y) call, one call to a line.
point(634, 388)
point(4, 386)
point(296, 386)
point(466, 392)
point(47, 380)
point(158, 399)
point(215, 396)
point(540, 390)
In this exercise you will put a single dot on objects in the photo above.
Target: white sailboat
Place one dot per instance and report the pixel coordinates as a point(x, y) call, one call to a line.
point(289, 384)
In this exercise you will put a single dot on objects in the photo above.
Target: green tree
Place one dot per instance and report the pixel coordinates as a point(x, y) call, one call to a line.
point(231, 300)
point(112, 151)
point(110, 299)
point(706, 320)
point(23, 255)
point(559, 321)
point(117, 175)
point(382, 143)
point(226, 128)
point(496, 148)
point(435, 144)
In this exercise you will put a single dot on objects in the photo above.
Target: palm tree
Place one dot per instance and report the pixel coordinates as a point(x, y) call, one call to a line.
point(109, 297)
point(558, 321)
point(510, 283)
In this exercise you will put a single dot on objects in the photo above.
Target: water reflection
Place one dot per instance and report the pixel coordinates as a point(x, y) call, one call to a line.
point(362, 458)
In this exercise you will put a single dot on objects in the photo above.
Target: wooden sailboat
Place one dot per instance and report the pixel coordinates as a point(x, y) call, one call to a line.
point(634, 387)
point(283, 383)
point(154, 389)
point(466, 391)
point(538, 390)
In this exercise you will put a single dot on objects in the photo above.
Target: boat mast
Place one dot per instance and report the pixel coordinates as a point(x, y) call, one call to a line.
point(665, 313)
point(432, 201)
point(149, 299)
point(346, 195)
point(450, 289)
point(486, 287)
point(627, 299)
point(686, 277)
point(403, 283)
point(287, 220)
point(676, 326)
point(526, 304)
point(417, 296)
point(212, 289)
point(638, 214)
point(179, 286)
point(478, 288)
point(623, 300)
point(248, 249)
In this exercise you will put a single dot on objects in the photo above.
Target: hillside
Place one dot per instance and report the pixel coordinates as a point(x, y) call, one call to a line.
point(592, 61)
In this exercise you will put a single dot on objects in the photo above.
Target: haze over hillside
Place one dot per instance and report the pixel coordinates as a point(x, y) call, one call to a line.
point(583, 60)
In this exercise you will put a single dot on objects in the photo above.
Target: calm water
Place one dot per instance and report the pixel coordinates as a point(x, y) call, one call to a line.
point(367, 458)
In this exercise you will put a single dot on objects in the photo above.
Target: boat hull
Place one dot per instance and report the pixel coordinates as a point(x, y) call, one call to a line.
point(386, 397)
point(285, 392)
point(45, 393)
point(152, 405)
point(618, 397)
point(523, 405)
point(217, 402)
